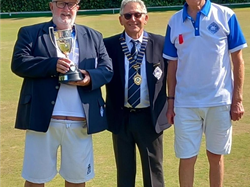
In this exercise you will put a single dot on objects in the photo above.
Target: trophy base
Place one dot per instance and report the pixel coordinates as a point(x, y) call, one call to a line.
point(70, 77)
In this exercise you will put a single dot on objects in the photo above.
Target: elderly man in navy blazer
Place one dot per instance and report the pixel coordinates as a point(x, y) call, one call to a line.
point(136, 97)
point(60, 115)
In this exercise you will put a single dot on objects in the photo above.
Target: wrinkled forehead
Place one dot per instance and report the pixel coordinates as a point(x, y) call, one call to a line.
point(132, 7)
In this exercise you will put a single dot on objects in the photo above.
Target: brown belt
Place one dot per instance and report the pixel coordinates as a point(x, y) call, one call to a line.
point(69, 118)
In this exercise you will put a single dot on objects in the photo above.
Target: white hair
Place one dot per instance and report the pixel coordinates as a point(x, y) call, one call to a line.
point(125, 2)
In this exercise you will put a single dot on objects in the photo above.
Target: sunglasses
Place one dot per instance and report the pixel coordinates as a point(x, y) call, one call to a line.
point(137, 15)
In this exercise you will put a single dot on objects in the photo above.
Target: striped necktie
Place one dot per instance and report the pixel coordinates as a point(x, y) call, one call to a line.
point(134, 50)
point(133, 89)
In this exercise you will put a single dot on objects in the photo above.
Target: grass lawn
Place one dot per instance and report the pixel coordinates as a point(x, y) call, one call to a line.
point(237, 164)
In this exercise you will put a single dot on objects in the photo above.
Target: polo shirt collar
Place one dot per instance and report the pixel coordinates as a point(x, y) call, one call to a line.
point(205, 10)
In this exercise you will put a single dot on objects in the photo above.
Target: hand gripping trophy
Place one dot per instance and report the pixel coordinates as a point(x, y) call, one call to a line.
point(64, 42)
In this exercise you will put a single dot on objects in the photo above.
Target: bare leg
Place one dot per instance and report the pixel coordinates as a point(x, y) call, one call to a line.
point(68, 184)
point(216, 170)
point(186, 172)
point(30, 184)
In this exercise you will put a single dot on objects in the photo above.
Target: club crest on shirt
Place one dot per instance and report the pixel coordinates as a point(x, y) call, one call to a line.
point(89, 169)
point(213, 28)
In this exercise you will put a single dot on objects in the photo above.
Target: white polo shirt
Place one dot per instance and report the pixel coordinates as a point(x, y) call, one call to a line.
point(202, 48)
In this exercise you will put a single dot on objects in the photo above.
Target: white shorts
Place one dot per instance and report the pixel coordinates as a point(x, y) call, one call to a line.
point(40, 156)
point(191, 123)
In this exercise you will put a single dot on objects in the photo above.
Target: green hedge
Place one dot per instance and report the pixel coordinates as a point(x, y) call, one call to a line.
point(43, 5)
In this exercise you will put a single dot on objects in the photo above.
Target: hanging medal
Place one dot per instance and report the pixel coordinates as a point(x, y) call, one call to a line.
point(137, 78)
point(136, 63)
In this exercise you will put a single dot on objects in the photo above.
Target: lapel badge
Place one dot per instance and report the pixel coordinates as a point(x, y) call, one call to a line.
point(157, 72)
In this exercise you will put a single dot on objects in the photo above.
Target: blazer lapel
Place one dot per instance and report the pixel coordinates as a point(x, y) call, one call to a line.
point(81, 41)
point(150, 68)
point(121, 65)
point(46, 36)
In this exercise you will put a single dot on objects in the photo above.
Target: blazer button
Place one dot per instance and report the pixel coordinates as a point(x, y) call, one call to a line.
point(52, 102)
point(57, 87)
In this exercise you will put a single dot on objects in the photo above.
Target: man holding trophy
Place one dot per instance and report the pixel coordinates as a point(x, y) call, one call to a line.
point(63, 66)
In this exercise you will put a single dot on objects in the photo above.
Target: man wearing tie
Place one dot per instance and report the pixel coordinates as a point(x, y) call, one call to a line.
point(136, 97)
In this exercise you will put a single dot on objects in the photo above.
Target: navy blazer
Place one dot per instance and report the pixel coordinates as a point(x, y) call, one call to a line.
point(35, 58)
point(157, 88)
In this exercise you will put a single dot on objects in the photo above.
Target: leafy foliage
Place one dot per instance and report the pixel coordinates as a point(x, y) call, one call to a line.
point(24, 5)
point(43, 5)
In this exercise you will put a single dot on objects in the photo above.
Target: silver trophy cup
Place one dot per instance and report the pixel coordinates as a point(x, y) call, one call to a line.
point(64, 43)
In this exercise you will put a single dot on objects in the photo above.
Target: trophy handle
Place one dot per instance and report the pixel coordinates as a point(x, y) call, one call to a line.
point(51, 30)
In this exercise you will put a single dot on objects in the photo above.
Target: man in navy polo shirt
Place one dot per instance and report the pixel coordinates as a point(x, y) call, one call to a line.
point(205, 94)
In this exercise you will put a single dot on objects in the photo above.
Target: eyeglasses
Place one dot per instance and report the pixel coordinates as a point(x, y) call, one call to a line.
point(137, 15)
point(61, 5)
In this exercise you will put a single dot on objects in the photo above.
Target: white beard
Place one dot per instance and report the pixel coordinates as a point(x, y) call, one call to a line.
point(63, 24)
